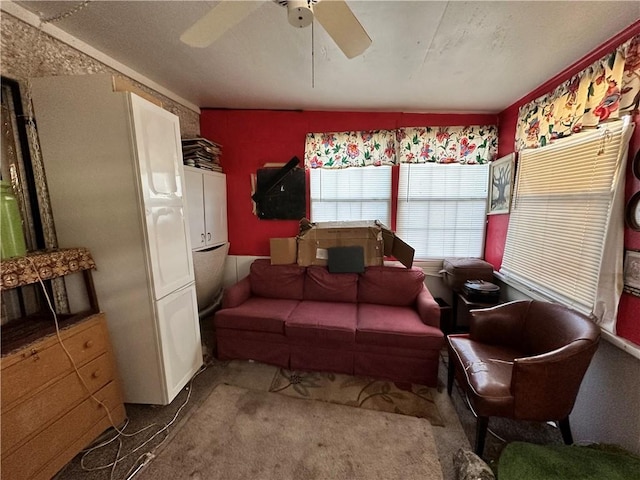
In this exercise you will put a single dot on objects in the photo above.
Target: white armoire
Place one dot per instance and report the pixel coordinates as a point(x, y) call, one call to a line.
point(113, 163)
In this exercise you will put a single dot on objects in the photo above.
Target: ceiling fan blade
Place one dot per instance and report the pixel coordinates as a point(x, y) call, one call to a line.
point(217, 21)
point(342, 26)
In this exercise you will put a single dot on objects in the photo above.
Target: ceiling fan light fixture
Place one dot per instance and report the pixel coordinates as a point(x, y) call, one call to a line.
point(300, 13)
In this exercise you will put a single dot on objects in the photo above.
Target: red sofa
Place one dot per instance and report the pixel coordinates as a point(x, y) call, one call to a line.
point(382, 323)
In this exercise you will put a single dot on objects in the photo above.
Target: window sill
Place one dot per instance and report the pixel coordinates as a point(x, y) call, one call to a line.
point(523, 291)
point(623, 344)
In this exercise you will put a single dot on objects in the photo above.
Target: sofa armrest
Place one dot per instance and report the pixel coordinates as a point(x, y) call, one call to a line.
point(428, 308)
point(499, 325)
point(237, 293)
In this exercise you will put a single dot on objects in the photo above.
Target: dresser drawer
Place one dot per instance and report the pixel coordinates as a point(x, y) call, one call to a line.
point(45, 362)
point(31, 457)
point(38, 411)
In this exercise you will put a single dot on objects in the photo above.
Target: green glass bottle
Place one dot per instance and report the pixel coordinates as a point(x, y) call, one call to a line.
point(12, 242)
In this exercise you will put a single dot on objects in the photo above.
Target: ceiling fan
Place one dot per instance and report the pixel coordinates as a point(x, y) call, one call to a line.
point(334, 15)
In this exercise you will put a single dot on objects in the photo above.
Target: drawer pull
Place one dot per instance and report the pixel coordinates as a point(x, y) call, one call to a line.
point(95, 374)
point(34, 354)
point(88, 344)
point(30, 353)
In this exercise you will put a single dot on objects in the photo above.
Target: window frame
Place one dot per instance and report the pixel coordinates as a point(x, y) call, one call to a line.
point(316, 175)
point(596, 291)
point(478, 200)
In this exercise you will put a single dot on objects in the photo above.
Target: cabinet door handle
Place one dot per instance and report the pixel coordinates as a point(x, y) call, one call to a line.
point(202, 238)
point(208, 235)
point(31, 353)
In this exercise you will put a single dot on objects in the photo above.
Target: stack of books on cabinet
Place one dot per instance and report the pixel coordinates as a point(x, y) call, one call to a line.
point(201, 153)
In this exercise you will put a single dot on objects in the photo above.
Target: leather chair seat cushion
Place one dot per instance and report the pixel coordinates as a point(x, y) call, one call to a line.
point(328, 321)
point(257, 314)
point(320, 285)
point(395, 326)
point(487, 370)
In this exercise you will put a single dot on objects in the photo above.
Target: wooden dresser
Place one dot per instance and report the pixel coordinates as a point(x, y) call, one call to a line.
point(48, 414)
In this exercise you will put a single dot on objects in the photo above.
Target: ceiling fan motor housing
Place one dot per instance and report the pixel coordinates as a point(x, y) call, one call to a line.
point(300, 13)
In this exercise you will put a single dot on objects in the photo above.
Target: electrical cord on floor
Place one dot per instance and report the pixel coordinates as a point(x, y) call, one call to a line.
point(148, 456)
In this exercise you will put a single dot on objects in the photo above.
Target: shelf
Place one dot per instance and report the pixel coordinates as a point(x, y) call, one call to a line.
point(27, 270)
point(44, 265)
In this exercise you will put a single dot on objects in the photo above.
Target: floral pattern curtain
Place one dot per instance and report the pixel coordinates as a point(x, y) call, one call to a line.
point(350, 149)
point(607, 89)
point(466, 145)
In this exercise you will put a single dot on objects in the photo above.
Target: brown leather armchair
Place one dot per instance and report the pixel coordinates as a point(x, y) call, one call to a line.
point(523, 360)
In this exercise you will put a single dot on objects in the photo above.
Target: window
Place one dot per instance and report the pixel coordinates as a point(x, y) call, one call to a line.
point(442, 209)
point(358, 193)
point(565, 235)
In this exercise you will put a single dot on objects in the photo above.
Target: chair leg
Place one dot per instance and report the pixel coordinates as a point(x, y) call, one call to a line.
point(565, 430)
point(451, 373)
point(482, 424)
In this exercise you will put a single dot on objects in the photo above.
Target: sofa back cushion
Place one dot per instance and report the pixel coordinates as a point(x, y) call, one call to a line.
point(276, 281)
point(322, 286)
point(390, 285)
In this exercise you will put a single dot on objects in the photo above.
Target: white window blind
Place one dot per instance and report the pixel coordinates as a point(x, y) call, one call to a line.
point(561, 214)
point(442, 209)
point(362, 193)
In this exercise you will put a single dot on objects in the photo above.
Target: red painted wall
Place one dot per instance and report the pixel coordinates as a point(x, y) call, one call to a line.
point(628, 325)
point(251, 138)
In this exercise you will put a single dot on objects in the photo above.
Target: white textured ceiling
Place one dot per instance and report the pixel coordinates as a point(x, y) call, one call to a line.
point(426, 56)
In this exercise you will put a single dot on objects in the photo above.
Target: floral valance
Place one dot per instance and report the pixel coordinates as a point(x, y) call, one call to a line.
point(467, 145)
point(350, 149)
point(605, 90)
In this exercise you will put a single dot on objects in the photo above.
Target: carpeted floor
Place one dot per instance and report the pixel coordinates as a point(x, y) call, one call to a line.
point(239, 434)
point(457, 430)
point(385, 396)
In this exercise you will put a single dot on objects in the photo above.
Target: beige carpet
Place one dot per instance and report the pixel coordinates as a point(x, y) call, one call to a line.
point(386, 396)
point(239, 434)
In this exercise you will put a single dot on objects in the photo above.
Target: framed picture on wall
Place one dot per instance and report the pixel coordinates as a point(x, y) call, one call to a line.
point(632, 272)
point(501, 177)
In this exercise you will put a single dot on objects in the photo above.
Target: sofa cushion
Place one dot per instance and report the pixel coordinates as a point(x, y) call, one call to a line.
point(257, 314)
point(276, 281)
point(322, 286)
point(390, 285)
point(333, 322)
point(395, 326)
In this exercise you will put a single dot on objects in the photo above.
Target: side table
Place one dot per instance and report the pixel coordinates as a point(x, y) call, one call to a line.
point(461, 306)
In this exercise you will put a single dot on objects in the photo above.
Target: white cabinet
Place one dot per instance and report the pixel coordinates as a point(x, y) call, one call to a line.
point(114, 169)
point(178, 333)
point(206, 194)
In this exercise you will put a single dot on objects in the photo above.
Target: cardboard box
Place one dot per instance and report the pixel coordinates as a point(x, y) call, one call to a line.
point(376, 240)
point(283, 250)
